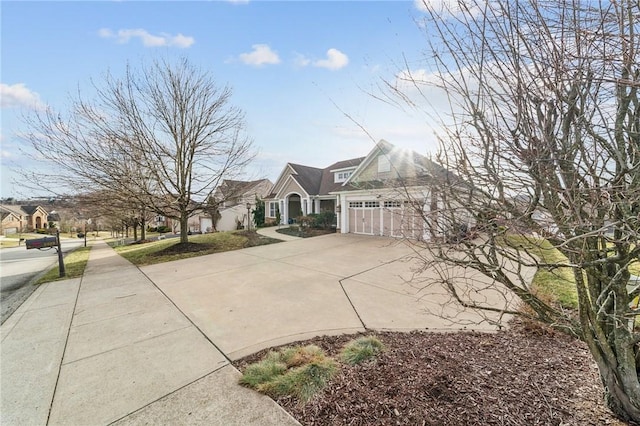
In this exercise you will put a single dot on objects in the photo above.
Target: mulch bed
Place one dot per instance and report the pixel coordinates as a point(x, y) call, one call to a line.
point(513, 377)
point(187, 247)
point(306, 233)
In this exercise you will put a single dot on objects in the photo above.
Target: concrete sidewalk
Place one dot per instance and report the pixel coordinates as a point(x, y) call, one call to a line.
point(271, 231)
point(112, 347)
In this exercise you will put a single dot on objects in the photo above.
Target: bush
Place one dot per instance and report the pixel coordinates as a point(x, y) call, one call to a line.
point(325, 220)
point(361, 349)
point(296, 371)
point(270, 222)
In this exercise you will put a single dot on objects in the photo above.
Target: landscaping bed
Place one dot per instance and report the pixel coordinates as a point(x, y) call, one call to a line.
point(152, 252)
point(513, 377)
point(305, 232)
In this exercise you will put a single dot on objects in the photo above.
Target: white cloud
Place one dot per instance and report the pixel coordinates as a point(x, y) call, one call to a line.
point(260, 55)
point(5, 154)
point(335, 60)
point(444, 8)
point(148, 40)
point(17, 95)
point(301, 60)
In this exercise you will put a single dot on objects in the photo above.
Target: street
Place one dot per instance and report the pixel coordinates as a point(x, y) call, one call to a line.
point(18, 266)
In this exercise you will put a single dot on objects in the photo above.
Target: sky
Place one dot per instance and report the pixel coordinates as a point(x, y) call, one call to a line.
point(304, 72)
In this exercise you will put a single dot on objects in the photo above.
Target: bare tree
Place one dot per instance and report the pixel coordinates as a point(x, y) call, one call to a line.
point(163, 136)
point(544, 131)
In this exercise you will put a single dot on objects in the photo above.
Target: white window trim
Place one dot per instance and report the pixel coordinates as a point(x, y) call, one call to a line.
point(273, 207)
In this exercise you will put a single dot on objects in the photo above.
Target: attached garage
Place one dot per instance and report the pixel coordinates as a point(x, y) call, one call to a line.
point(389, 218)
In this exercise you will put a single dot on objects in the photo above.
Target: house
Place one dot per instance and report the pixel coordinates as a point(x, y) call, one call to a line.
point(389, 192)
point(22, 218)
point(235, 198)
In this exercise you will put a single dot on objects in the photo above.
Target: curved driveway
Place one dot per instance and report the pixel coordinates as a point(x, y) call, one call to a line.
point(255, 298)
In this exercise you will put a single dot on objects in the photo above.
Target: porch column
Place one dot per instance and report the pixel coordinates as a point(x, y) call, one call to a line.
point(316, 205)
point(284, 204)
point(343, 215)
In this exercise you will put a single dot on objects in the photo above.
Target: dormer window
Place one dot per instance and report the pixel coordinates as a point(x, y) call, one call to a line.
point(342, 176)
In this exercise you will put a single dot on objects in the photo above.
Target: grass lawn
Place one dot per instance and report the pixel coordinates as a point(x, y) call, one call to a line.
point(559, 283)
point(198, 245)
point(8, 243)
point(74, 264)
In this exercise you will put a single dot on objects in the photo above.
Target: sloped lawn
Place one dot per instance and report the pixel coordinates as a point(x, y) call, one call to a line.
point(149, 253)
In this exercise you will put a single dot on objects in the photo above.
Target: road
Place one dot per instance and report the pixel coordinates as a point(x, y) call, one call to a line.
point(18, 266)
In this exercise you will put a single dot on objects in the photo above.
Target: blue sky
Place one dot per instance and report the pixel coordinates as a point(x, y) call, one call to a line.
point(296, 68)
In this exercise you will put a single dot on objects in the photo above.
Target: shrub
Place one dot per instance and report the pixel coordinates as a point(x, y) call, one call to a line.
point(297, 371)
point(325, 220)
point(361, 349)
point(270, 222)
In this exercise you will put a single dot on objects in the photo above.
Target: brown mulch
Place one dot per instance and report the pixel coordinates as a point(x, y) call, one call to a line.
point(512, 377)
point(306, 233)
point(187, 247)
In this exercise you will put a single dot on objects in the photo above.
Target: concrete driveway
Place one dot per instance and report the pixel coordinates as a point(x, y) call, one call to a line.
point(129, 346)
point(251, 299)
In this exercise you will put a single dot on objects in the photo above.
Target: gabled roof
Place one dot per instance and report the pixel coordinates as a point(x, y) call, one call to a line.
point(425, 171)
point(21, 210)
point(4, 214)
point(16, 210)
point(309, 178)
point(29, 209)
point(234, 188)
point(328, 183)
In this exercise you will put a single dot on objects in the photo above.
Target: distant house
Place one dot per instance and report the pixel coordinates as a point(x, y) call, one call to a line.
point(387, 193)
point(22, 218)
point(235, 199)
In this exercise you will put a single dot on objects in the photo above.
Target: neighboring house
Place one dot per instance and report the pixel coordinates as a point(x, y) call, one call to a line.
point(54, 219)
point(388, 193)
point(235, 198)
point(22, 218)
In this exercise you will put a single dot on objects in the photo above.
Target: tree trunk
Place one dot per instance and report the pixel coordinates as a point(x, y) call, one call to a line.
point(143, 229)
point(618, 398)
point(184, 227)
point(135, 232)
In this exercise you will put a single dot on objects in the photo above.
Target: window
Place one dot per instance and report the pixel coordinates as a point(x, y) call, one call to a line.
point(356, 204)
point(383, 164)
point(342, 176)
point(392, 204)
point(371, 204)
point(273, 207)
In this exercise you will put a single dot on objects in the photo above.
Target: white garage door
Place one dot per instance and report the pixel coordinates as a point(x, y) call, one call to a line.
point(206, 224)
point(386, 218)
point(364, 217)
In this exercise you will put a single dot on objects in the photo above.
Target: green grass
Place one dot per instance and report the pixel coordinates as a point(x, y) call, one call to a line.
point(300, 371)
point(361, 349)
point(74, 264)
point(557, 284)
point(170, 249)
point(8, 243)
